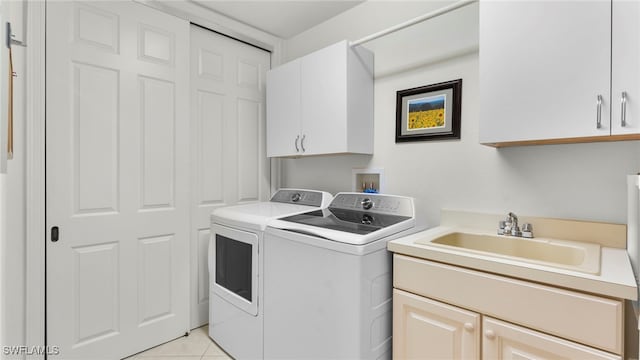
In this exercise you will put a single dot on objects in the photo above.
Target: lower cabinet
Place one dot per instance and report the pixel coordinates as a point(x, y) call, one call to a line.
point(427, 329)
point(443, 311)
point(502, 340)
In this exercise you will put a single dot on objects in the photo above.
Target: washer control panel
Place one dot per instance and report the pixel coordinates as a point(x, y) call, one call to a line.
point(384, 204)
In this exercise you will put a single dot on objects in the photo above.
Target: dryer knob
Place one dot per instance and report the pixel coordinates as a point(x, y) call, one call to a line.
point(296, 197)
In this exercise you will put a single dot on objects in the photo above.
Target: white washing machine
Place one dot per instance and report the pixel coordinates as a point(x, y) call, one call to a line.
point(328, 278)
point(236, 268)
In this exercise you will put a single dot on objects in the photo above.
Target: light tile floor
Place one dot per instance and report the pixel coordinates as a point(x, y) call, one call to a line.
point(196, 346)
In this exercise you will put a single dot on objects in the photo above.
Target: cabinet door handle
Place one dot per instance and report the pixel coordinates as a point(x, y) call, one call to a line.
point(297, 138)
point(623, 109)
point(468, 326)
point(302, 143)
point(490, 334)
point(599, 113)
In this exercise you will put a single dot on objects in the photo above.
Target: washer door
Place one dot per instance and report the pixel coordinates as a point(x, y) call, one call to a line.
point(233, 256)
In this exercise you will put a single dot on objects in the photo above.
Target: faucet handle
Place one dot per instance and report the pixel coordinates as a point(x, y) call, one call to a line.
point(501, 225)
point(527, 230)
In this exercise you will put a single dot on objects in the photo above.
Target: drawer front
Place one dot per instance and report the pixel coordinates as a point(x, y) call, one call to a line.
point(583, 318)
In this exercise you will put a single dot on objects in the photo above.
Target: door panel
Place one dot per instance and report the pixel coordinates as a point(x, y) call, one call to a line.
point(511, 342)
point(228, 128)
point(428, 329)
point(117, 178)
point(323, 76)
point(285, 110)
point(625, 74)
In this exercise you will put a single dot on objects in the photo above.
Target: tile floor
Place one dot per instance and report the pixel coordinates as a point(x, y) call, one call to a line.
point(196, 346)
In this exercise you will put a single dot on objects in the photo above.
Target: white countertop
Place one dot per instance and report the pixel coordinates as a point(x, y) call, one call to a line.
point(615, 279)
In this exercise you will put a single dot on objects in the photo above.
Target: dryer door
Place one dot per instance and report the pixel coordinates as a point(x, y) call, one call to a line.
point(234, 267)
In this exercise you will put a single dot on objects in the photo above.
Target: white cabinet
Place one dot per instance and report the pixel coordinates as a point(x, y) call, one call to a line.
point(283, 110)
point(625, 72)
point(321, 103)
point(502, 340)
point(546, 71)
point(552, 322)
point(428, 329)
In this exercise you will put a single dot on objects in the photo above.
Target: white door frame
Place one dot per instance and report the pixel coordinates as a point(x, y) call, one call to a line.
point(36, 232)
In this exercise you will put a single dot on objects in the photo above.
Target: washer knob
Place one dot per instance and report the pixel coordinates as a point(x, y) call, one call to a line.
point(367, 203)
point(366, 219)
point(296, 197)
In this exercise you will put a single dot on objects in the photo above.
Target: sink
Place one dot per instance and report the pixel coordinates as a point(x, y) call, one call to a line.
point(571, 255)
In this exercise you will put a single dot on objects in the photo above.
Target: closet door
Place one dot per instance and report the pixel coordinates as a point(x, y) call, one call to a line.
point(117, 143)
point(228, 151)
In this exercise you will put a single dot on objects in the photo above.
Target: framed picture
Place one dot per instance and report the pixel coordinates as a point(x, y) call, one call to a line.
point(429, 112)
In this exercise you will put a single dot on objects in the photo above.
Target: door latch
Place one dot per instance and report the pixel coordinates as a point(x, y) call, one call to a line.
point(55, 234)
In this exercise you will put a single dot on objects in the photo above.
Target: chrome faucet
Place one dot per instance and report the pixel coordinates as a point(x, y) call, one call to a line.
point(513, 220)
point(509, 226)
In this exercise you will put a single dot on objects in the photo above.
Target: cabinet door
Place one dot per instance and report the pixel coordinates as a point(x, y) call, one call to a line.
point(543, 67)
point(507, 341)
point(428, 329)
point(324, 100)
point(283, 110)
point(625, 118)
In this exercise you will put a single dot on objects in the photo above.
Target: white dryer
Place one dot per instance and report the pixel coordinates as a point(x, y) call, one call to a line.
point(328, 278)
point(236, 267)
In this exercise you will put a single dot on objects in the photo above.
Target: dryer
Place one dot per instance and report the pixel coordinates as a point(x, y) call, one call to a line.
point(236, 267)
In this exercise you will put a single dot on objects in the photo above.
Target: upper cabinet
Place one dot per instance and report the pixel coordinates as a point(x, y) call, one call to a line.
point(555, 72)
point(625, 82)
point(321, 103)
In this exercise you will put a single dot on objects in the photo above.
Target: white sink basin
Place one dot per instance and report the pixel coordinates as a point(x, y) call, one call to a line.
point(583, 257)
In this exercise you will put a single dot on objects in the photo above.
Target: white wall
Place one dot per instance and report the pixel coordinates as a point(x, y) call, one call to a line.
point(578, 181)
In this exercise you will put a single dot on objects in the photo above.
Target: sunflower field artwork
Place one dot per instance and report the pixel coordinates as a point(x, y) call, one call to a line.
point(426, 113)
point(430, 112)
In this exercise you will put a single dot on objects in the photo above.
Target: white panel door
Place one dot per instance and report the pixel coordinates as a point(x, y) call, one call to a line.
point(117, 178)
point(506, 341)
point(228, 150)
point(428, 329)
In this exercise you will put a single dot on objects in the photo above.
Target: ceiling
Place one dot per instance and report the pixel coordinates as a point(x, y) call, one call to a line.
point(283, 18)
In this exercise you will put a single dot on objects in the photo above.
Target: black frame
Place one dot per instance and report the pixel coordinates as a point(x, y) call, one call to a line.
point(454, 133)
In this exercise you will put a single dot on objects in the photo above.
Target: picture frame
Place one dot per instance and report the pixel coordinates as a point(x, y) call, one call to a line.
point(430, 112)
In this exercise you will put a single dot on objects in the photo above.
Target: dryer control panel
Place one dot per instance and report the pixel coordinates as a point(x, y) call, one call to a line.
point(378, 203)
point(302, 197)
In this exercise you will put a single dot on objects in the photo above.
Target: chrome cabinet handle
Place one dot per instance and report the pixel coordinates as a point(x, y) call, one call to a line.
point(297, 138)
point(599, 114)
point(302, 143)
point(623, 109)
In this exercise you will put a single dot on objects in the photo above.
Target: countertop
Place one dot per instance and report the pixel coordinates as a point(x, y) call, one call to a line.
point(615, 279)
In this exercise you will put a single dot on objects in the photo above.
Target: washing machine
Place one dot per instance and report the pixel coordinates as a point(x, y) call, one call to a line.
point(236, 267)
point(328, 278)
